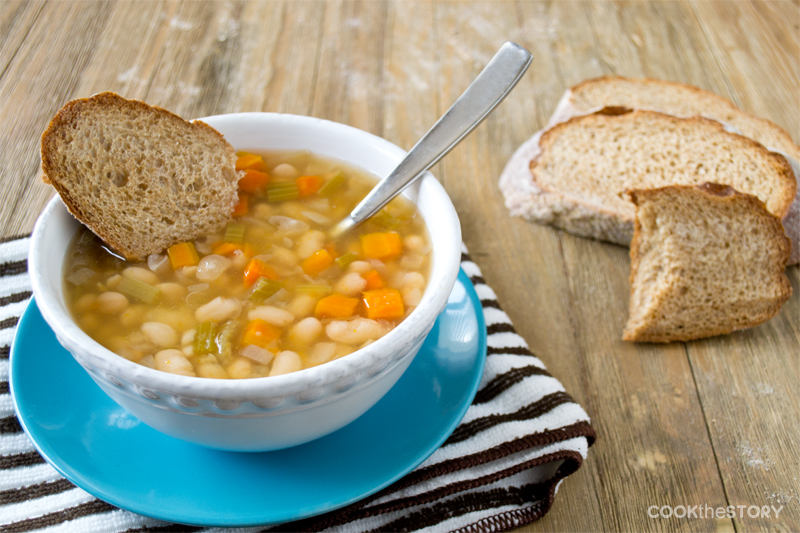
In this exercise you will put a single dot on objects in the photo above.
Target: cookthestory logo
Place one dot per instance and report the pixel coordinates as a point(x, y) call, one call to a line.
point(707, 511)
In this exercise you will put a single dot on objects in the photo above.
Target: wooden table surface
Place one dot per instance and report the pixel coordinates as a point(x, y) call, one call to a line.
point(713, 422)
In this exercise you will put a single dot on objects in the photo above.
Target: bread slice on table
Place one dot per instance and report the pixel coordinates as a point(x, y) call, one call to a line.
point(138, 176)
point(581, 169)
point(675, 99)
point(683, 100)
point(705, 260)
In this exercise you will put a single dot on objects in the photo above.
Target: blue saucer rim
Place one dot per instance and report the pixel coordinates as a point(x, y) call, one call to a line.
point(221, 521)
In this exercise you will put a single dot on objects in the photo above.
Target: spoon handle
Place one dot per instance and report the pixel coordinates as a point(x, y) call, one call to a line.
point(496, 80)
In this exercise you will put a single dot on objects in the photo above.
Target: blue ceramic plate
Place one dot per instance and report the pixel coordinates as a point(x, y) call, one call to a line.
point(107, 452)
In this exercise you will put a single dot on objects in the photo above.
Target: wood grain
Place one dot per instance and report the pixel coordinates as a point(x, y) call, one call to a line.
point(712, 422)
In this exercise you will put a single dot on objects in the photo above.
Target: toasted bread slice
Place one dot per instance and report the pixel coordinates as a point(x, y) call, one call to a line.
point(705, 260)
point(581, 169)
point(682, 100)
point(138, 176)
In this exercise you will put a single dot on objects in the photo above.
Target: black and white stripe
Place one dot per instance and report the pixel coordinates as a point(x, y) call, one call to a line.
point(498, 470)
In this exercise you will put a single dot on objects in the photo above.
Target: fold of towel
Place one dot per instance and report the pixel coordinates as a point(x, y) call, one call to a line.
point(500, 469)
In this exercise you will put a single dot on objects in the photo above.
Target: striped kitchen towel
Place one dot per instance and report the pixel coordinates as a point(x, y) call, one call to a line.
point(500, 469)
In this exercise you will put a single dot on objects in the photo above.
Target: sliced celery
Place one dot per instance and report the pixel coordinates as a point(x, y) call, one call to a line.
point(332, 185)
point(313, 290)
point(344, 260)
point(139, 290)
point(234, 232)
point(282, 191)
point(386, 220)
point(265, 288)
point(228, 338)
point(204, 338)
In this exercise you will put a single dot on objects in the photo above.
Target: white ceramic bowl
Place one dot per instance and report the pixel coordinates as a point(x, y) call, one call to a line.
point(275, 412)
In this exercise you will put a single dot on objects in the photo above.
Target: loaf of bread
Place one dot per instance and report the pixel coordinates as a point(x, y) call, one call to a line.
point(138, 176)
point(682, 100)
point(705, 260)
point(578, 171)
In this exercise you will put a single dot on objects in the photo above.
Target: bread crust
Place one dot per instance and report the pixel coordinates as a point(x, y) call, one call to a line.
point(576, 90)
point(77, 113)
point(527, 197)
point(717, 193)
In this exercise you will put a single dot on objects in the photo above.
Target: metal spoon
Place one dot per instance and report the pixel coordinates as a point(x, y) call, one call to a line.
point(481, 97)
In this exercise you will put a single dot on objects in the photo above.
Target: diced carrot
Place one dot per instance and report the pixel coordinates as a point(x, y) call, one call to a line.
point(384, 303)
point(374, 280)
point(253, 180)
point(260, 332)
point(182, 254)
point(257, 268)
point(247, 161)
point(383, 246)
point(241, 208)
point(226, 248)
point(319, 261)
point(308, 185)
point(336, 306)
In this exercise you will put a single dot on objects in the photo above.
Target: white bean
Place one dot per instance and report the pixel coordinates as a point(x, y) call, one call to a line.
point(141, 274)
point(212, 370)
point(85, 302)
point(160, 334)
point(412, 297)
point(288, 225)
point(148, 361)
point(273, 315)
point(302, 305)
point(282, 256)
point(239, 260)
point(211, 267)
point(133, 316)
point(413, 280)
point(186, 274)
point(322, 352)
point(219, 310)
point(174, 362)
point(284, 170)
point(188, 337)
point(172, 292)
point(113, 281)
point(240, 368)
point(356, 331)
point(350, 284)
point(416, 243)
point(306, 331)
point(378, 265)
point(111, 303)
point(309, 242)
point(362, 267)
point(286, 362)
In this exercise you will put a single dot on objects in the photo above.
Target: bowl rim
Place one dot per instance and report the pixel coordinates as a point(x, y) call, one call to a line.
point(65, 327)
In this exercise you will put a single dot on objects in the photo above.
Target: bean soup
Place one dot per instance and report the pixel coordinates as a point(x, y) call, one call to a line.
point(272, 294)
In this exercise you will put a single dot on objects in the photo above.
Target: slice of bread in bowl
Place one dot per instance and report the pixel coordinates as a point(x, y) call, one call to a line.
point(705, 260)
point(138, 176)
point(583, 167)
